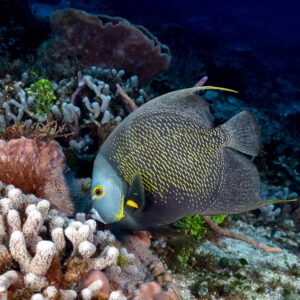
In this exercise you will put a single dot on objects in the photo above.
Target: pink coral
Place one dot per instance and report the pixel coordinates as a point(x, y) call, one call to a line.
point(152, 291)
point(107, 41)
point(36, 168)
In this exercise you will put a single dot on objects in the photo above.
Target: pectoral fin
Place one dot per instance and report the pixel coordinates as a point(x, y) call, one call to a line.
point(135, 199)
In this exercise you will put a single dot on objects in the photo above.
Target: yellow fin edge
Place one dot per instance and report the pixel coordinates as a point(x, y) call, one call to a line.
point(272, 201)
point(216, 88)
point(265, 202)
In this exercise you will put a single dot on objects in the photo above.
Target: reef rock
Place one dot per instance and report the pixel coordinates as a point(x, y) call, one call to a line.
point(106, 41)
point(36, 168)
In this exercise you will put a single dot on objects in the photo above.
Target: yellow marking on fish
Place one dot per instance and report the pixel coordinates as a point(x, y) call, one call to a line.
point(98, 192)
point(131, 203)
point(121, 213)
point(208, 87)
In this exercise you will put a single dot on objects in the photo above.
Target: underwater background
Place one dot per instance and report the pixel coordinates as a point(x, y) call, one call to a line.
point(70, 72)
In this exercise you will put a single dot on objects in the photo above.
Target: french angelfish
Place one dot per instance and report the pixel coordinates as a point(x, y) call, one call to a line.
point(166, 161)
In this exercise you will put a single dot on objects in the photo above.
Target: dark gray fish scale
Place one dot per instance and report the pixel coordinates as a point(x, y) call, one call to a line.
point(185, 164)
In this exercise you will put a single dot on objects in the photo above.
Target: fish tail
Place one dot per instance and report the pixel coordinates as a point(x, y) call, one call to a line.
point(242, 133)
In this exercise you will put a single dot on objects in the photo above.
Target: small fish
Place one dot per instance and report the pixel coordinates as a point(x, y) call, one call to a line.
point(166, 161)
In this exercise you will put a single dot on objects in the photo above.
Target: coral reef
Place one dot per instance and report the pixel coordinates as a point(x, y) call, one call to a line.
point(81, 83)
point(99, 40)
point(46, 255)
point(85, 109)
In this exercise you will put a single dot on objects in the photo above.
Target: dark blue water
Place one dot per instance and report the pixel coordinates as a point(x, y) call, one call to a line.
point(269, 29)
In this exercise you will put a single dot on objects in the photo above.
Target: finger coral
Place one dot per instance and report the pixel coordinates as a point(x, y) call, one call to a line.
point(46, 255)
point(37, 168)
point(93, 276)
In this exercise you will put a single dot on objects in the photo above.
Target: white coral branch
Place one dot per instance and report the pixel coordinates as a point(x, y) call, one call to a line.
point(58, 238)
point(40, 263)
point(91, 290)
point(7, 279)
point(107, 258)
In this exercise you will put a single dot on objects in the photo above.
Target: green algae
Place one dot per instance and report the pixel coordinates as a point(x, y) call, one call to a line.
point(43, 94)
point(196, 226)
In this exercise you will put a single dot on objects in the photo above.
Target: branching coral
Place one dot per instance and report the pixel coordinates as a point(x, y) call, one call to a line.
point(40, 263)
point(7, 279)
point(23, 233)
point(55, 254)
point(83, 109)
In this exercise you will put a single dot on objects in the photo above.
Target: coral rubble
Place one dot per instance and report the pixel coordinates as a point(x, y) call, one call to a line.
point(229, 269)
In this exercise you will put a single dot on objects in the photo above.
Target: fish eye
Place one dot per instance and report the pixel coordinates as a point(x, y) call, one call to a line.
point(98, 191)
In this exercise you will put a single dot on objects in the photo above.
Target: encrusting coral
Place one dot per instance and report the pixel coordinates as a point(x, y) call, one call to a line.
point(62, 258)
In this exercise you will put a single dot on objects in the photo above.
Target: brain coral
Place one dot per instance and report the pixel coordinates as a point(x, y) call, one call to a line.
point(106, 41)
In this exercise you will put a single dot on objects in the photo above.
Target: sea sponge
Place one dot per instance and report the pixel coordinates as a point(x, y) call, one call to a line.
point(37, 168)
point(107, 42)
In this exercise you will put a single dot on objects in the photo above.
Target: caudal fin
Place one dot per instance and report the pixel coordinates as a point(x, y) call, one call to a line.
point(242, 133)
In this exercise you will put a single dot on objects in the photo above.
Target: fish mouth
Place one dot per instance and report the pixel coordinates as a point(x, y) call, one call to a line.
point(96, 216)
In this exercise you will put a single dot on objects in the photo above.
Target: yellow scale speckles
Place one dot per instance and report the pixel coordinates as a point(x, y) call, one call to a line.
point(174, 158)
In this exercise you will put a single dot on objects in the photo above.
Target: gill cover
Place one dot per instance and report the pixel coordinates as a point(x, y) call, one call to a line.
point(108, 192)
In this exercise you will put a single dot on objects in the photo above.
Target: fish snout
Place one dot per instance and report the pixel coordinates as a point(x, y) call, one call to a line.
point(102, 218)
point(96, 216)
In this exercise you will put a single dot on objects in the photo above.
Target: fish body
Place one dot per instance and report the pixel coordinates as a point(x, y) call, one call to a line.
point(166, 161)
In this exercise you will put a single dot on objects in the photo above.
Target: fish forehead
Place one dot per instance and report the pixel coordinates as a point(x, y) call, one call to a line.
point(176, 157)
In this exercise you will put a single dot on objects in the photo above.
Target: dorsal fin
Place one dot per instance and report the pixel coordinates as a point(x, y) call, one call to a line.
point(185, 102)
